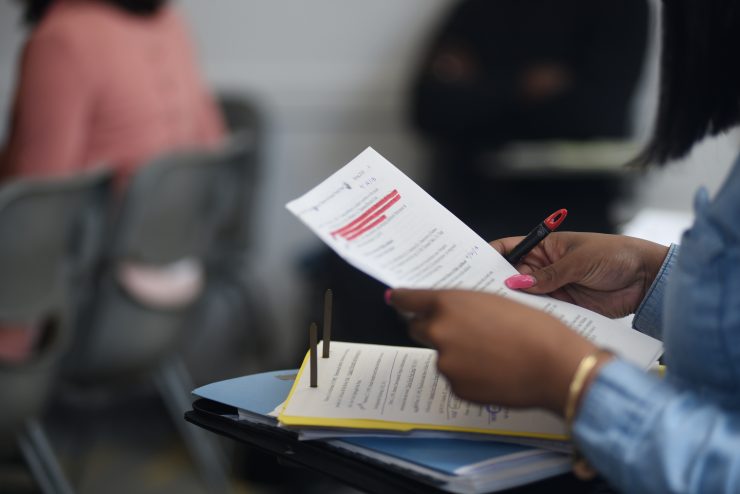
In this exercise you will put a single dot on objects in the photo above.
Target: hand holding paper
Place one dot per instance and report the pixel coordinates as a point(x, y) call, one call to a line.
point(494, 350)
point(384, 224)
point(608, 274)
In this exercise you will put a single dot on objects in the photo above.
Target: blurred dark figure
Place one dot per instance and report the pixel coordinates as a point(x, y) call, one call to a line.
point(500, 71)
point(112, 82)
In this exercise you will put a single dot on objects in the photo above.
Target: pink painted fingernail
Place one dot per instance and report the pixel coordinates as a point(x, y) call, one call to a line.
point(387, 296)
point(520, 281)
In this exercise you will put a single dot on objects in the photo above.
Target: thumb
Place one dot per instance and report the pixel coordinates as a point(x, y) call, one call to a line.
point(549, 278)
point(413, 301)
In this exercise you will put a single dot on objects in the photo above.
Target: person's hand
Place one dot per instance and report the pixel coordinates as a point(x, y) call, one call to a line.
point(609, 274)
point(495, 350)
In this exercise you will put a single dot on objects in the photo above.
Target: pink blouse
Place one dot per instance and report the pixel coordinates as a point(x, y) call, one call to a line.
point(100, 86)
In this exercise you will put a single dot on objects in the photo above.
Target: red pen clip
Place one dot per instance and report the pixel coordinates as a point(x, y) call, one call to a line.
point(553, 221)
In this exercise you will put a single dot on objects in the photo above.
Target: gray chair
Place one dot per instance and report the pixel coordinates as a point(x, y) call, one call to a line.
point(242, 114)
point(174, 208)
point(49, 230)
point(237, 297)
point(245, 123)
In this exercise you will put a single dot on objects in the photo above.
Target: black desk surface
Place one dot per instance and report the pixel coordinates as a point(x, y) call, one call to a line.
point(354, 470)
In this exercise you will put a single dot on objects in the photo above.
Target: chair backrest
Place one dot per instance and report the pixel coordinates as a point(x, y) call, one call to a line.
point(242, 114)
point(175, 208)
point(49, 230)
point(167, 210)
point(240, 157)
point(245, 121)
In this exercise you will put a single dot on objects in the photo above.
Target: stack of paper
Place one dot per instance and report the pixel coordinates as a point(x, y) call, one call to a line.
point(454, 464)
point(463, 466)
point(388, 388)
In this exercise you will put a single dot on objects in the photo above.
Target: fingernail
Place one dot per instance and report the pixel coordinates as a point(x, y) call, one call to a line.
point(387, 296)
point(520, 281)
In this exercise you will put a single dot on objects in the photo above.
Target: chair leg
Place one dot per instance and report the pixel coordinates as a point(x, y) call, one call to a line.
point(41, 460)
point(173, 381)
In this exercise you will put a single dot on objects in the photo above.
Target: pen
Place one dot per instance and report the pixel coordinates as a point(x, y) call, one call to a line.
point(536, 236)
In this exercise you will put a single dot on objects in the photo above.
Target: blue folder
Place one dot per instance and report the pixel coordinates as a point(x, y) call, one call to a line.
point(464, 466)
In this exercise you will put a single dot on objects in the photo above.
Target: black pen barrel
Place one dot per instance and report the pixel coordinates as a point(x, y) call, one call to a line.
point(525, 246)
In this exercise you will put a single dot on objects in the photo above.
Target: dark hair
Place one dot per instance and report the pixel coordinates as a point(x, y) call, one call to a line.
point(700, 76)
point(36, 9)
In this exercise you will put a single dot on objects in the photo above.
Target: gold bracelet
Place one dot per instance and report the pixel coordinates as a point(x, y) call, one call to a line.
point(581, 468)
point(583, 370)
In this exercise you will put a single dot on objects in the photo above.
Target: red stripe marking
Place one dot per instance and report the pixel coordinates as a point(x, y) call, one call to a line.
point(371, 217)
point(364, 215)
point(368, 227)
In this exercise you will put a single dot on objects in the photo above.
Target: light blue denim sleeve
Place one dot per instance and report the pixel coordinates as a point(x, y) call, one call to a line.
point(645, 435)
point(649, 315)
point(681, 433)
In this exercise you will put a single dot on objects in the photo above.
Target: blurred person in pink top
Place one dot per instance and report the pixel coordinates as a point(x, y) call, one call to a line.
point(107, 82)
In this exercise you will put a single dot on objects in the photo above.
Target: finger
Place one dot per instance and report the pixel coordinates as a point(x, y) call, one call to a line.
point(525, 269)
point(505, 245)
point(414, 301)
point(419, 329)
point(547, 279)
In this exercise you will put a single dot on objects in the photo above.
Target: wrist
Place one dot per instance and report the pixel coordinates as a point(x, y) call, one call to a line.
point(586, 371)
point(559, 376)
point(561, 365)
point(653, 257)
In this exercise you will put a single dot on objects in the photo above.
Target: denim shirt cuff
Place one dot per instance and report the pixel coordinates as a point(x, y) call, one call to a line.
point(613, 414)
point(649, 315)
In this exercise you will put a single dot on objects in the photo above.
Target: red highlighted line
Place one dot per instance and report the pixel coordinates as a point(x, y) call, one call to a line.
point(361, 226)
point(360, 223)
point(372, 225)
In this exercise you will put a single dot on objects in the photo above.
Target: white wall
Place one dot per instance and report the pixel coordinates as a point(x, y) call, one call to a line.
point(331, 77)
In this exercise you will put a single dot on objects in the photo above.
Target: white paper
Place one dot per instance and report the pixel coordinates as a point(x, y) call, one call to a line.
point(383, 223)
point(402, 385)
